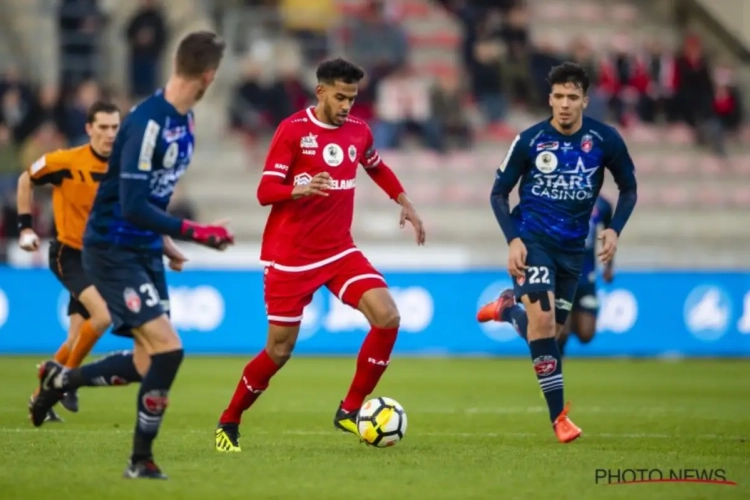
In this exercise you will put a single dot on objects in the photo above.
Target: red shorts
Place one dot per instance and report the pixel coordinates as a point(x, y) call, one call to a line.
point(288, 290)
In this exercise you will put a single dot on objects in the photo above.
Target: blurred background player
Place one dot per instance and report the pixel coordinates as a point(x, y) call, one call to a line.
point(309, 179)
point(74, 175)
point(124, 242)
point(559, 163)
point(582, 319)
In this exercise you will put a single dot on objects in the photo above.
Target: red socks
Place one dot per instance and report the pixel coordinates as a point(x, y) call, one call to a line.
point(372, 361)
point(255, 379)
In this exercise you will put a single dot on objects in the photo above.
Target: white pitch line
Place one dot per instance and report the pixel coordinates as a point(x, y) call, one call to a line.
point(480, 435)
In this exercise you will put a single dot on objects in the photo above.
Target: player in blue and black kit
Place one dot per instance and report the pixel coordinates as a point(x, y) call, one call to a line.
point(559, 166)
point(127, 233)
point(582, 320)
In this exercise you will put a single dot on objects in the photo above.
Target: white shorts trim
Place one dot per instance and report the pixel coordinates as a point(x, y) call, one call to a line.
point(309, 267)
point(285, 319)
point(358, 278)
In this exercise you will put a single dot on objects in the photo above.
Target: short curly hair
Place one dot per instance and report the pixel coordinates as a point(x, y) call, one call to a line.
point(569, 72)
point(339, 70)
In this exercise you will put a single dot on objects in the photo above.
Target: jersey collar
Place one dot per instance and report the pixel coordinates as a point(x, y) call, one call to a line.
point(312, 117)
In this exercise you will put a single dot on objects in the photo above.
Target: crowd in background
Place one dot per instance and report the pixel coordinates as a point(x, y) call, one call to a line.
point(502, 69)
point(36, 120)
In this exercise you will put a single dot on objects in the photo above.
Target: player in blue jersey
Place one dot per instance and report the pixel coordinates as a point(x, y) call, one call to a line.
point(559, 166)
point(127, 232)
point(582, 320)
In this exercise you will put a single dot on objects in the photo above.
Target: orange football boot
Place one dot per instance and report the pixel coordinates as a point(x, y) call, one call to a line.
point(565, 430)
point(493, 311)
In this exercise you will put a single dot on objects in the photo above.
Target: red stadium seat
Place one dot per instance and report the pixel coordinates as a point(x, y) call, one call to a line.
point(588, 11)
point(647, 164)
point(740, 196)
point(427, 194)
point(680, 135)
point(437, 69)
point(460, 193)
point(642, 134)
point(646, 195)
point(674, 196)
point(740, 164)
point(551, 11)
point(677, 164)
point(437, 40)
point(623, 13)
point(711, 196)
point(712, 165)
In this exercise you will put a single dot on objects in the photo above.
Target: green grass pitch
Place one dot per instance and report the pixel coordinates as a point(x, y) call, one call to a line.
point(478, 429)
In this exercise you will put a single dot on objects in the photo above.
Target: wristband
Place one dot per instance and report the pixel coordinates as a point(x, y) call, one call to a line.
point(24, 222)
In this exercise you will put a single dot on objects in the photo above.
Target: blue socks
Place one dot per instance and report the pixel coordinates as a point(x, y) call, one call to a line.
point(516, 316)
point(153, 399)
point(114, 369)
point(548, 367)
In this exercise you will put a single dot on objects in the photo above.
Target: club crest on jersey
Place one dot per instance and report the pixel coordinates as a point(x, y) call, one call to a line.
point(587, 143)
point(548, 146)
point(352, 153)
point(546, 162)
point(333, 155)
point(310, 141)
point(132, 300)
point(170, 157)
point(302, 179)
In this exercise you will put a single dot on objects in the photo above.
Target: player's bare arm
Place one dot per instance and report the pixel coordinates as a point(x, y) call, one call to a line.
point(409, 213)
point(176, 258)
point(29, 240)
point(608, 239)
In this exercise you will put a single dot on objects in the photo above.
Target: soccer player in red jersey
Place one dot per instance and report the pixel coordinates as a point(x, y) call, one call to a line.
point(309, 180)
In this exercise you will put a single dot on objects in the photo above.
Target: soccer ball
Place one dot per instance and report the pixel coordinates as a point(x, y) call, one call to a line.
point(381, 422)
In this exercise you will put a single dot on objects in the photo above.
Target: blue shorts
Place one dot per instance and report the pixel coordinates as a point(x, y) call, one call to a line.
point(586, 301)
point(131, 282)
point(550, 270)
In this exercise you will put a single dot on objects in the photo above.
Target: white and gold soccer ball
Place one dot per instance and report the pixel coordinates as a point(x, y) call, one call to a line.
point(381, 422)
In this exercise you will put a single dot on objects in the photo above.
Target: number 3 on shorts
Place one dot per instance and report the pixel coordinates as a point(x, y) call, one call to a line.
point(152, 296)
point(538, 274)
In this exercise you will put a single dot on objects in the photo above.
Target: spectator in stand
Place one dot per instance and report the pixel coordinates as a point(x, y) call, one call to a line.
point(76, 110)
point(147, 38)
point(582, 53)
point(486, 71)
point(403, 104)
point(449, 111)
point(80, 23)
point(309, 22)
point(659, 97)
point(728, 101)
point(515, 34)
point(624, 79)
point(10, 165)
point(247, 106)
point(694, 90)
point(544, 56)
point(377, 43)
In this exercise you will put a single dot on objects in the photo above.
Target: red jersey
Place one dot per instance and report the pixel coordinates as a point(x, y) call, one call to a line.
point(313, 231)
